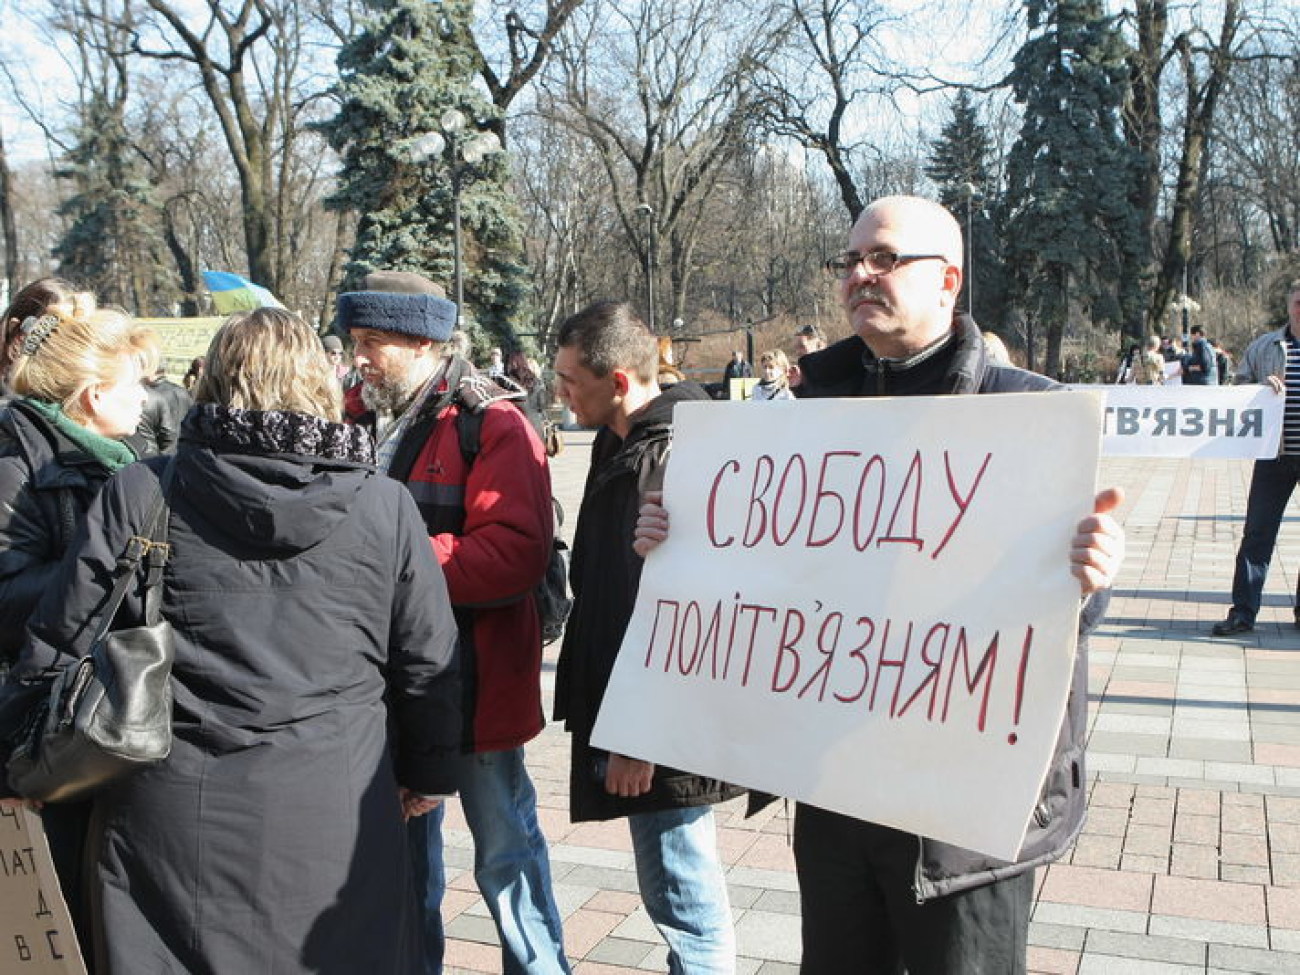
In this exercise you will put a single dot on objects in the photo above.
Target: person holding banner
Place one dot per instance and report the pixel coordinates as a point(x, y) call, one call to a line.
point(874, 898)
point(1200, 368)
point(606, 365)
point(1272, 358)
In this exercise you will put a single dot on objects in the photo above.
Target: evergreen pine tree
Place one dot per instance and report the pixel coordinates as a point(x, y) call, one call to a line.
point(1069, 220)
point(112, 244)
point(410, 65)
point(959, 167)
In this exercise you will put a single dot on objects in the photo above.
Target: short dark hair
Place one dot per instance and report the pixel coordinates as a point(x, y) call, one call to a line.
point(1196, 330)
point(610, 335)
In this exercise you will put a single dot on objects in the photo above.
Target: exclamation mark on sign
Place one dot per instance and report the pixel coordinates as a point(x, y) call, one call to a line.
point(1012, 738)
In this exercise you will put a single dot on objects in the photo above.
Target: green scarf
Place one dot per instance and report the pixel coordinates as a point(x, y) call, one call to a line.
point(113, 454)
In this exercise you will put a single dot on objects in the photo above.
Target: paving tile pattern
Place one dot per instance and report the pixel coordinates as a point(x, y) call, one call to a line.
point(1190, 859)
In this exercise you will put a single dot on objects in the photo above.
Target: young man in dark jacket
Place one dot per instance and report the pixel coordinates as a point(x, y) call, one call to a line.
point(490, 523)
point(1200, 367)
point(606, 368)
point(873, 898)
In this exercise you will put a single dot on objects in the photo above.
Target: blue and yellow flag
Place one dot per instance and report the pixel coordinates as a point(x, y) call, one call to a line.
point(232, 293)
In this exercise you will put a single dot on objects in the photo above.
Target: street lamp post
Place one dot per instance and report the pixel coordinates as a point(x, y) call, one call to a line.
point(971, 190)
point(462, 148)
point(647, 211)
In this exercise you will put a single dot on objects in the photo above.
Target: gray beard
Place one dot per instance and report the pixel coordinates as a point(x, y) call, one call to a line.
point(392, 394)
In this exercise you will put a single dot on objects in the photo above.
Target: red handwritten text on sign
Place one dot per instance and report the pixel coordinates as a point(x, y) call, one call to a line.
point(846, 495)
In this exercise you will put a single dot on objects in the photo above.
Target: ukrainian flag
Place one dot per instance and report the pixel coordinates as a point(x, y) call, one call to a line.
point(232, 293)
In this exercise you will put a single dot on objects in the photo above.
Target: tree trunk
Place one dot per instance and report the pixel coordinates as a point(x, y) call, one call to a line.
point(184, 266)
point(1060, 314)
point(326, 313)
point(1202, 100)
point(1142, 133)
point(10, 228)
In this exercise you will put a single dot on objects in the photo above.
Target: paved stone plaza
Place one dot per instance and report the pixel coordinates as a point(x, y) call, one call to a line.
point(1190, 860)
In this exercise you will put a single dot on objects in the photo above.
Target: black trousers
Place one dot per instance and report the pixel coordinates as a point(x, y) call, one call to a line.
point(860, 915)
point(1271, 485)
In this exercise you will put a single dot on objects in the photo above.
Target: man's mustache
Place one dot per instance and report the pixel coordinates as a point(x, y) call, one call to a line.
point(869, 293)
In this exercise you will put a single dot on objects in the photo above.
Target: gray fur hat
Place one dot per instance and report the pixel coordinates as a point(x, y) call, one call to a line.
point(398, 301)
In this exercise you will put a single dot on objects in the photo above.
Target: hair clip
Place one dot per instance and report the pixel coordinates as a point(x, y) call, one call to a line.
point(37, 330)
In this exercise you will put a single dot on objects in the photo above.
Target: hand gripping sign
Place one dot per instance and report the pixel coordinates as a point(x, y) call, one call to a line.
point(866, 605)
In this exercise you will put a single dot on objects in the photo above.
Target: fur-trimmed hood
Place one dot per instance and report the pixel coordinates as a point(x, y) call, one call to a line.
point(276, 482)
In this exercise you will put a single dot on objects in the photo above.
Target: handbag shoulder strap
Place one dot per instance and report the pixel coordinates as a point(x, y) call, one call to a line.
point(158, 550)
point(150, 547)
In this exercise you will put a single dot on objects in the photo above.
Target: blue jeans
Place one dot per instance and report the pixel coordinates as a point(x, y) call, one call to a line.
point(429, 876)
point(1271, 485)
point(683, 889)
point(511, 866)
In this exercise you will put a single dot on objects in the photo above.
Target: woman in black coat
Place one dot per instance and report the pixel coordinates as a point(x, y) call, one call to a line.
point(314, 676)
point(74, 374)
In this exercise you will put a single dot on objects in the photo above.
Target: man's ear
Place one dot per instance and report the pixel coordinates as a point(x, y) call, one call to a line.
point(952, 275)
point(622, 383)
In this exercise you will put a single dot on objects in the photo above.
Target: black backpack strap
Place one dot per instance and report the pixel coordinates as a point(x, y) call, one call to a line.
point(413, 441)
point(469, 430)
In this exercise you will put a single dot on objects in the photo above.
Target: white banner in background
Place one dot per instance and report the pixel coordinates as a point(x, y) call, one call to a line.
point(865, 605)
point(1232, 422)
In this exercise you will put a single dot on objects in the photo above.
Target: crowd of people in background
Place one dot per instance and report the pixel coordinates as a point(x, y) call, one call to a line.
point(1171, 360)
point(360, 524)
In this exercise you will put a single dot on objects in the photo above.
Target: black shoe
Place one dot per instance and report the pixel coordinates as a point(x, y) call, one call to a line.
point(1296, 620)
point(1232, 626)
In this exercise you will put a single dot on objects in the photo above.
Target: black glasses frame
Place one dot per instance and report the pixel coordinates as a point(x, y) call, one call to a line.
point(877, 262)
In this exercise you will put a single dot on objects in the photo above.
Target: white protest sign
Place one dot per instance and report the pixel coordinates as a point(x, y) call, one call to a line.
point(36, 936)
point(865, 605)
point(1222, 422)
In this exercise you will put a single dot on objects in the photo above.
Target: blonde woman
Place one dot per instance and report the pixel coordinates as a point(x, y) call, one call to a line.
point(314, 672)
point(774, 373)
point(74, 376)
point(75, 379)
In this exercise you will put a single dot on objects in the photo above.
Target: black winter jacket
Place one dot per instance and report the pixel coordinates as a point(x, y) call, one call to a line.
point(46, 484)
point(604, 574)
point(314, 672)
point(960, 365)
point(160, 422)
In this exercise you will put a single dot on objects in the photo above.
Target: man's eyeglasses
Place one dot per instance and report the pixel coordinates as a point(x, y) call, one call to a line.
point(876, 262)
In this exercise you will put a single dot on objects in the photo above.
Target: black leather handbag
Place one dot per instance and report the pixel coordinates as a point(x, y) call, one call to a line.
point(110, 712)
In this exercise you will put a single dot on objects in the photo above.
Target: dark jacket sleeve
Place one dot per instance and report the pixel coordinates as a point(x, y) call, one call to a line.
point(27, 558)
point(423, 666)
point(65, 619)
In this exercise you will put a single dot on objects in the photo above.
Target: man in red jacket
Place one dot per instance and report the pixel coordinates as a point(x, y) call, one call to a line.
point(490, 522)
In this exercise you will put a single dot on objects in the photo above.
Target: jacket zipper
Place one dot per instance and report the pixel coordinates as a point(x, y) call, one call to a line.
point(918, 878)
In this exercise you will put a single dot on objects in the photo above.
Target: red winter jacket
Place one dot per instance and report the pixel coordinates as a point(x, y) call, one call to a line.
point(491, 527)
